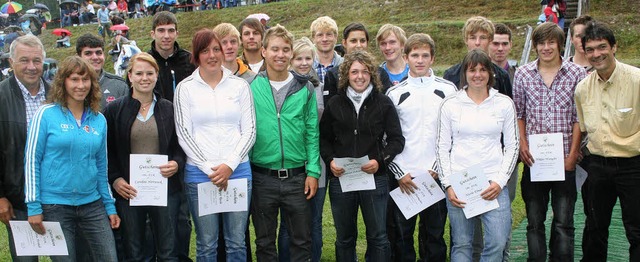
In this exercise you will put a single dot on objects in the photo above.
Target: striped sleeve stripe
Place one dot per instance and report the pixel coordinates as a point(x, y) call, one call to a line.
point(252, 137)
point(396, 170)
point(30, 154)
point(187, 138)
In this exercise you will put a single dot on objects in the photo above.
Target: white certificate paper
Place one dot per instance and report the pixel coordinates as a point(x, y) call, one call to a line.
point(548, 152)
point(30, 243)
point(145, 177)
point(427, 194)
point(212, 199)
point(468, 185)
point(353, 178)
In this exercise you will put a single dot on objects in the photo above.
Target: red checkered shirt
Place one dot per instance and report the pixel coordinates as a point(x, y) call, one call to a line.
point(547, 109)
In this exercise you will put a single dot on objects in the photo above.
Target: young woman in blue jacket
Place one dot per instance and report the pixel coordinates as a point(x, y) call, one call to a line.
point(66, 163)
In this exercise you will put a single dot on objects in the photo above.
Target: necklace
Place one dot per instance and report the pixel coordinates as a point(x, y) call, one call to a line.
point(144, 106)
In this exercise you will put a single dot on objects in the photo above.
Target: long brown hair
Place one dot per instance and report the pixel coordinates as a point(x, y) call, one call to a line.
point(70, 65)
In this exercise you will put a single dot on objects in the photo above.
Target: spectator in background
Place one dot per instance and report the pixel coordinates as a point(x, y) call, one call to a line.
point(63, 41)
point(104, 21)
point(391, 41)
point(123, 8)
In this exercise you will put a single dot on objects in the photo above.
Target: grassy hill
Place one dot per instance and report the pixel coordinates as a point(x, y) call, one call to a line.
point(443, 20)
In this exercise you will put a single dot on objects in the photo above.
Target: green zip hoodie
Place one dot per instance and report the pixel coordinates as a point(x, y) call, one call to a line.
point(289, 138)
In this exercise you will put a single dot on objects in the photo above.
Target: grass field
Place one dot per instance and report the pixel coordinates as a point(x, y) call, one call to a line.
point(329, 233)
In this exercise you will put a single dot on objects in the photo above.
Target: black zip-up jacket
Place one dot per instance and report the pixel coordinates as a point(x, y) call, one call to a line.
point(120, 115)
point(13, 136)
point(179, 62)
point(345, 134)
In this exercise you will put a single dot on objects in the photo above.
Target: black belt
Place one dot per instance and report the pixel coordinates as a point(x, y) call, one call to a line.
point(280, 173)
point(618, 161)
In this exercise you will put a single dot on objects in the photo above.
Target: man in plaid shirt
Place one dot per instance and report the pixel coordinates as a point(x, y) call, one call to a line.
point(543, 96)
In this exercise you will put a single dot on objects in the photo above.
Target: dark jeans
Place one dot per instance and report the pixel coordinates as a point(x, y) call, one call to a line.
point(432, 247)
point(20, 215)
point(609, 179)
point(92, 220)
point(373, 204)
point(317, 205)
point(134, 225)
point(563, 201)
point(270, 195)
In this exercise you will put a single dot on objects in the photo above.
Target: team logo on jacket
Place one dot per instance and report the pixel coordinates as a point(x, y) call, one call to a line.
point(110, 99)
point(87, 129)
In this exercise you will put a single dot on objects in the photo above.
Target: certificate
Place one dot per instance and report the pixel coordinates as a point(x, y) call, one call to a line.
point(581, 177)
point(468, 186)
point(353, 178)
point(548, 152)
point(30, 243)
point(427, 194)
point(212, 199)
point(145, 177)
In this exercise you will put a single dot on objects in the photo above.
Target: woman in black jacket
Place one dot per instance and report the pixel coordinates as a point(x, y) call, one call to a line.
point(352, 126)
point(141, 123)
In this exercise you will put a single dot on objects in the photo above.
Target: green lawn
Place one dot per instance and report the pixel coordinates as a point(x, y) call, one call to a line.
point(329, 234)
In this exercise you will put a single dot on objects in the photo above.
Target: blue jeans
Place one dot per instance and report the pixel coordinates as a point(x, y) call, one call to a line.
point(92, 220)
point(496, 224)
point(317, 205)
point(563, 201)
point(20, 215)
point(272, 194)
point(373, 204)
point(234, 227)
point(134, 226)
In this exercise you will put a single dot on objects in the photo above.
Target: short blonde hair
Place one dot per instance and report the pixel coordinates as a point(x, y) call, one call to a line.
point(277, 31)
point(323, 23)
point(225, 29)
point(302, 45)
point(476, 24)
point(388, 29)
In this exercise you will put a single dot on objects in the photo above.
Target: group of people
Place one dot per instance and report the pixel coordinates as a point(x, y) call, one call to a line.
point(283, 112)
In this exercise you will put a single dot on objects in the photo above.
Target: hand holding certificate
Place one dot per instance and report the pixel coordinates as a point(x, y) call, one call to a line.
point(353, 178)
point(468, 186)
point(548, 152)
point(30, 243)
point(427, 194)
point(145, 177)
point(213, 199)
